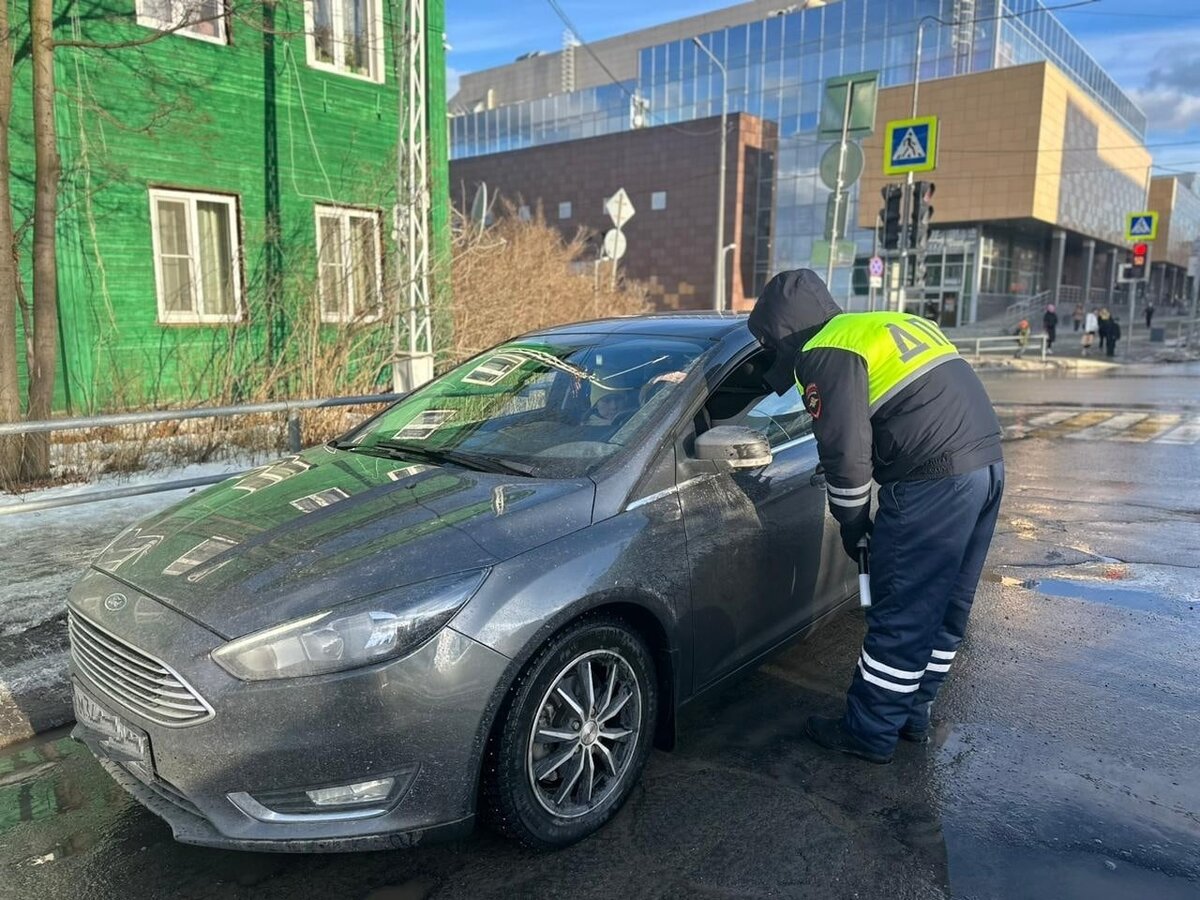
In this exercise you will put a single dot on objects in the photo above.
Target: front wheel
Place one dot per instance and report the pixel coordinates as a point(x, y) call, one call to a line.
point(575, 736)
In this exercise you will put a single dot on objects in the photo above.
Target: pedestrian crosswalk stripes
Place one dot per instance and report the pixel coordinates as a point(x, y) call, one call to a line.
point(1104, 425)
point(1050, 418)
point(1109, 427)
point(1184, 434)
point(1150, 428)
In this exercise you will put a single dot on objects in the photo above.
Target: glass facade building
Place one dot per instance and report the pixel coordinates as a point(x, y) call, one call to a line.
point(776, 68)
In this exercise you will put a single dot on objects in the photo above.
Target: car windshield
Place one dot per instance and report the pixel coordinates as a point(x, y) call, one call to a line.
point(551, 406)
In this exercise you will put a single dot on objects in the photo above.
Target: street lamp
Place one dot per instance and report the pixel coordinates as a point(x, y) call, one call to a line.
point(719, 262)
point(724, 256)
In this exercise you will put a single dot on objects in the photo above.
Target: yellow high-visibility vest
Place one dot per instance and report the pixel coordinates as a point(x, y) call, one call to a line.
point(897, 348)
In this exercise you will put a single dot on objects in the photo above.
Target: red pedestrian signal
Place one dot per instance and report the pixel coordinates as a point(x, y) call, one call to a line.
point(1139, 254)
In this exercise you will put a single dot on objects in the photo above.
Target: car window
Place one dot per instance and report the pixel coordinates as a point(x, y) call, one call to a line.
point(743, 399)
point(780, 419)
point(555, 405)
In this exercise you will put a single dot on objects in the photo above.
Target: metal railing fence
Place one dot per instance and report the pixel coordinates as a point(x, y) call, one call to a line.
point(295, 441)
point(1008, 343)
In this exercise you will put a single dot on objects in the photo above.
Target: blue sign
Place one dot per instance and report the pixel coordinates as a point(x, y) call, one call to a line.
point(910, 145)
point(1141, 226)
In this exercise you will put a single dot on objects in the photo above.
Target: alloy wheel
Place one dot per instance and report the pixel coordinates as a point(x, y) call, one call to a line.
point(585, 735)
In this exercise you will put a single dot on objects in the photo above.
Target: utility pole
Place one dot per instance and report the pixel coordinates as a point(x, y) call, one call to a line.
point(719, 262)
point(414, 366)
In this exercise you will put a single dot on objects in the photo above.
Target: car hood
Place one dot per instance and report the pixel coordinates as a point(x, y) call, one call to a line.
point(327, 526)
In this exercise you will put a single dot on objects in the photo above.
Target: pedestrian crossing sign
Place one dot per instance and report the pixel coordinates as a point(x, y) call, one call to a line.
point(910, 145)
point(1141, 226)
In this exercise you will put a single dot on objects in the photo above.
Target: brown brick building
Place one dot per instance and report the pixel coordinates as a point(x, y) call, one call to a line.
point(670, 174)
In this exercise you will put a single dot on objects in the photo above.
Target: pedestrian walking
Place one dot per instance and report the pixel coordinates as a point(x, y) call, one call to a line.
point(1149, 313)
point(1113, 334)
point(1022, 334)
point(891, 398)
point(1077, 316)
point(1050, 326)
point(1091, 328)
point(1104, 328)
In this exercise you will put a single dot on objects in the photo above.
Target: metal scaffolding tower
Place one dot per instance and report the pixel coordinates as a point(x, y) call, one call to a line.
point(412, 332)
point(567, 59)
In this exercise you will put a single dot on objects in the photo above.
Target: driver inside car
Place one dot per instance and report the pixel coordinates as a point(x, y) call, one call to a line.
point(609, 407)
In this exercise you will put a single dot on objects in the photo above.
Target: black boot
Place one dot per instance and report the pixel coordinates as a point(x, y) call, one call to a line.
point(916, 729)
point(832, 735)
point(915, 735)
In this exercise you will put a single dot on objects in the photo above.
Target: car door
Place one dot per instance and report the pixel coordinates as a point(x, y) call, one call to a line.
point(759, 544)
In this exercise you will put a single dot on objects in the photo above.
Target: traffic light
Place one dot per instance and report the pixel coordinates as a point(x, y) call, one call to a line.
point(918, 232)
point(893, 196)
point(922, 213)
point(1138, 269)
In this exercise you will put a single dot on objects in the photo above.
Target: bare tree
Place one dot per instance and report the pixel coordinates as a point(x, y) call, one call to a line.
point(42, 363)
point(10, 398)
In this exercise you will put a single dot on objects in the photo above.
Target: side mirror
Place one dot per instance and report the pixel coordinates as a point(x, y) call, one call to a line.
point(734, 447)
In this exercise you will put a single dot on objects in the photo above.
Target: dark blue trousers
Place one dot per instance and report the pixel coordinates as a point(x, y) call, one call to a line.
point(927, 552)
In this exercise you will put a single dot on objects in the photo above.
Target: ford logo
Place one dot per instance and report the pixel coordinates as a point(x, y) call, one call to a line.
point(115, 602)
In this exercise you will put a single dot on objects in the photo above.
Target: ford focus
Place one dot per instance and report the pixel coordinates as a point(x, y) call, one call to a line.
point(490, 600)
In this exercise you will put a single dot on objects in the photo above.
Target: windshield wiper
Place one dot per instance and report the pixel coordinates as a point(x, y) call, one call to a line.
point(398, 449)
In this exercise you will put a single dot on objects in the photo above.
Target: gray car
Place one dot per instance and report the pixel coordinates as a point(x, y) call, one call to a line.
point(492, 598)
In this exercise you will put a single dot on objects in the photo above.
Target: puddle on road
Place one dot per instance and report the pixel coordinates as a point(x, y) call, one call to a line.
point(1102, 589)
point(40, 781)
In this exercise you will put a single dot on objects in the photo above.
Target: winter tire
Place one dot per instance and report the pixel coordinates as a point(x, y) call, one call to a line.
point(574, 736)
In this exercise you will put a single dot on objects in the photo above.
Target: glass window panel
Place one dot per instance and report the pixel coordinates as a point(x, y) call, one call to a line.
point(322, 13)
point(172, 228)
point(810, 65)
point(737, 45)
point(365, 260)
point(331, 253)
point(177, 285)
point(832, 29)
point(216, 264)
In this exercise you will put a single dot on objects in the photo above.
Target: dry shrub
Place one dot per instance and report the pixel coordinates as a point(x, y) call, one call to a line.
point(519, 276)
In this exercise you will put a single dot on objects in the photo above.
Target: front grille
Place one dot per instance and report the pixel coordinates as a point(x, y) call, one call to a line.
point(134, 679)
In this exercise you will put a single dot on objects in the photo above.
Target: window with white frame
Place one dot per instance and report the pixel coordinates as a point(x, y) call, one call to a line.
point(658, 200)
point(346, 36)
point(203, 19)
point(564, 209)
point(349, 251)
point(196, 256)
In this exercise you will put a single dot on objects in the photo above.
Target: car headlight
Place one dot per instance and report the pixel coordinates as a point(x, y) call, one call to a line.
point(355, 634)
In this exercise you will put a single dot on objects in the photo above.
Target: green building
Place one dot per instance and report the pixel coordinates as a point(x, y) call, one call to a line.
point(228, 205)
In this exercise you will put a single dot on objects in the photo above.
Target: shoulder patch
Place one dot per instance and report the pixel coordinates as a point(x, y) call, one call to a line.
point(812, 400)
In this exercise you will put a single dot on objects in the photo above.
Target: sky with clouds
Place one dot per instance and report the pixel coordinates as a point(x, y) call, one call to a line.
point(1151, 48)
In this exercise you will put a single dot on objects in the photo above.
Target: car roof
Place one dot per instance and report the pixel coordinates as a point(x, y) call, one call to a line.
point(708, 325)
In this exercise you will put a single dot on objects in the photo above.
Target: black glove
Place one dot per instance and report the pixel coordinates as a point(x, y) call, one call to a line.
point(853, 532)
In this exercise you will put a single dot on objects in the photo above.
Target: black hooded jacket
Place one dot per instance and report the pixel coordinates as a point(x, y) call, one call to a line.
point(940, 423)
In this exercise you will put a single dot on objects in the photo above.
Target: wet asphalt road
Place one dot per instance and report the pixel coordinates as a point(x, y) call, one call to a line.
point(1064, 763)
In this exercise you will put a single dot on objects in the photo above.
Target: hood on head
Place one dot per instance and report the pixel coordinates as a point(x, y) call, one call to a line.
point(790, 310)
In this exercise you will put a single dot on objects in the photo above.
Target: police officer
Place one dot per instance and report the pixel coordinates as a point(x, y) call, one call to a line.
point(891, 399)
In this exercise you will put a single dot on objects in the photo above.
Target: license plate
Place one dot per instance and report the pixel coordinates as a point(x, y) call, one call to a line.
point(126, 744)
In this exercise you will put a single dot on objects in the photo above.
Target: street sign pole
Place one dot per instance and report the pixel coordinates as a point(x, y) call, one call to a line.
point(621, 209)
point(874, 255)
point(840, 189)
point(906, 202)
